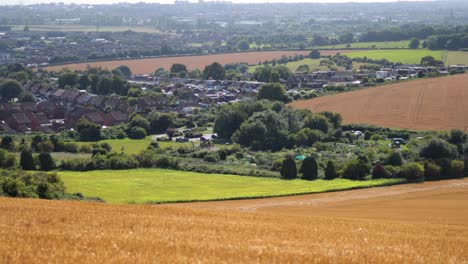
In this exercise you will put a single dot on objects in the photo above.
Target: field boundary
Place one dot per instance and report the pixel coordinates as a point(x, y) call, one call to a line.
point(257, 197)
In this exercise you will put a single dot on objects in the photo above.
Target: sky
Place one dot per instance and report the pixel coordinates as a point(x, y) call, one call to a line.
point(27, 2)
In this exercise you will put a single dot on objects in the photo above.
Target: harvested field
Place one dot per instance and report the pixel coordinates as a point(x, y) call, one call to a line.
point(429, 104)
point(368, 230)
point(145, 66)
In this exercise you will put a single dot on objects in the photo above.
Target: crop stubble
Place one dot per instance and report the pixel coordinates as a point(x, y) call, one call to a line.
point(146, 66)
point(331, 232)
point(429, 104)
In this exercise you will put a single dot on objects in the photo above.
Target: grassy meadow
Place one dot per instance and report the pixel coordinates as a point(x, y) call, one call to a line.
point(135, 146)
point(371, 45)
point(159, 185)
point(404, 56)
point(457, 57)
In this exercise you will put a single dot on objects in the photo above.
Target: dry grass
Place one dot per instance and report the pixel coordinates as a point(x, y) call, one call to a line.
point(429, 104)
point(145, 66)
point(35, 231)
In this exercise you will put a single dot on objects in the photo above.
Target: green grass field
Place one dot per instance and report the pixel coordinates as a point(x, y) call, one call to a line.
point(404, 56)
point(457, 57)
point(371, 45)
point(158, 185)
point(134, 146)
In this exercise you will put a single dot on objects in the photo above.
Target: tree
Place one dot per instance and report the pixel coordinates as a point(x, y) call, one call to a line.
point(315, 54)
point(439, 149)
point(214, 71)
point(139, 121)
point(68, 79)
point(243, 45)
point(136, 132)
point(414, 43)
point(457, 137)
point(273, 92)
point(7, 142)
point(430, 61)
point(125, 70)
point(356, 169)
point(306, 137)
point(412, 172)
point(178, 68)
point(379, 172)
point(432, 171)
point(394, 159)
point(227, 121)
point(10, 89)
point(331, 171)
point(26, 97)
point(288, 168)
point(317, 121)
point(88, 131)
point(46, 162)
point(26, 160)
point(309, 168)
point(457, 169)
point(160, 122)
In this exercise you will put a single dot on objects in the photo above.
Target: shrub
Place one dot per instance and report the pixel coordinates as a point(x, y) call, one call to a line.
point(413, 172)
point(394, 159)
point(288, 168)
point(46, 162)
point(439, 149)
point(393, 171)
point(356, 169)
point(379, 172)
point(70, 147)
point(31, 185)
point(331, 171)
point(457, 169)
point(7, 160)
point(309, 168)
point(432, 171)
point(136, 133)
point(212, 157)
point(27, 160)
point(86, 148)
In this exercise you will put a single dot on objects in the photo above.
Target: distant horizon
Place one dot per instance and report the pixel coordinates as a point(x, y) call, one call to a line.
point(109, 2)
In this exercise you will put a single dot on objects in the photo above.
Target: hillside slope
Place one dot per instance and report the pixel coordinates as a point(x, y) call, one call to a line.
point(429, 104)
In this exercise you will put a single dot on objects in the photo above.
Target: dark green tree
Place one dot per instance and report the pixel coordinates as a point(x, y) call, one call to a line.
point(330, 171)
point(46, 162)
point(289, 168)
point(68, 79)
point(309, 168)
point(10, 89)
point(414, 43)
point(178, 68)
point(88, 131)
point(214, 71)
point(394, 159)
point(273, 92)
point(27, 160)
point(125, 70)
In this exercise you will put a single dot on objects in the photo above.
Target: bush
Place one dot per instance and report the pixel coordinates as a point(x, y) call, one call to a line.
point(356, 169)
point(457, 169)
point(31, 185)
point(46, 162)
point(136, 133)
point(432, 171)
point(27, 160)
point(331, 171)
point(393, 171)
point(394, 159)
point(379, 172)
point(413, 172)
point(212, 157)
point(288, 168)
point(309, 168)
point(70, 147)
point(439, 149)
point(7, 160)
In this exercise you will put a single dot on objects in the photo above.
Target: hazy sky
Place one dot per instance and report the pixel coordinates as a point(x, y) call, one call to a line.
point(26, 2)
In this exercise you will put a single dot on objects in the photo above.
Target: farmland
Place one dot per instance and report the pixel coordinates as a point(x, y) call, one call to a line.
point(145, 66)
point(371, 45)
point(419, 223)
point(429, 104)
point(85, 28)
point(158, 185)
point(457, 57)
point(404, 56)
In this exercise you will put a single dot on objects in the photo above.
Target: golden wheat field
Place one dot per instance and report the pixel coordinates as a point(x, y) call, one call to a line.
point(149, 65)
point(418, 223)
point(429, 104)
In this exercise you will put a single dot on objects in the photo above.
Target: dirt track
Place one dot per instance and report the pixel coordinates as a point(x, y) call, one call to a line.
point(146, 66)
point(429, 104)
